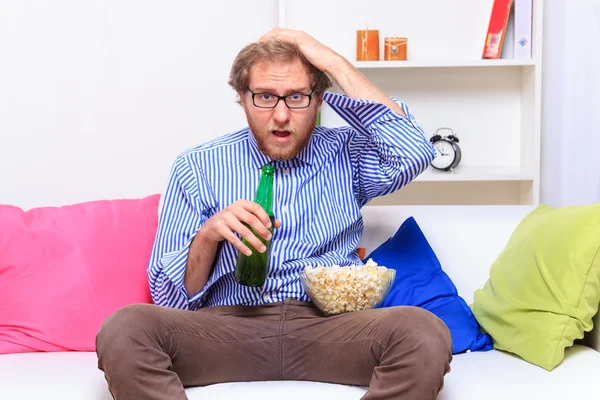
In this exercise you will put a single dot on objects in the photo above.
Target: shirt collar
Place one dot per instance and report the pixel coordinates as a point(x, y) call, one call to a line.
point(258, 159)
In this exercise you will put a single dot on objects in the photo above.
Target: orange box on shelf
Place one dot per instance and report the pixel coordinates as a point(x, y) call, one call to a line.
point(395, 48)
point(367, 45)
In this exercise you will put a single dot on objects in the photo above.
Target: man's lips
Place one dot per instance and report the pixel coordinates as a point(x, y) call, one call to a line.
point(280, 133)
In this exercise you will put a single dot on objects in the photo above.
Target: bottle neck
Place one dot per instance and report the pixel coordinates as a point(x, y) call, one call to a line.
point(264, 192)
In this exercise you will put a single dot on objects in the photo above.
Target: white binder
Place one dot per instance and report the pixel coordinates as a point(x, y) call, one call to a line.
point(523, 10)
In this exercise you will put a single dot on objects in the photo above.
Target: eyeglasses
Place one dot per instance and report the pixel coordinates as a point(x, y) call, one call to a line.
point(270, 100)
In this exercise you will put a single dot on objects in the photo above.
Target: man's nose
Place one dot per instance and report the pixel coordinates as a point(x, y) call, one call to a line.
point(281, 112)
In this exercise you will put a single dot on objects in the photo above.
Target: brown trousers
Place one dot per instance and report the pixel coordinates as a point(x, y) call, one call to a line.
point(153, 352)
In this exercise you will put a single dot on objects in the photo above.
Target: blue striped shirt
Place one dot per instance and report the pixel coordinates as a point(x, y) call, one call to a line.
point(317, 197)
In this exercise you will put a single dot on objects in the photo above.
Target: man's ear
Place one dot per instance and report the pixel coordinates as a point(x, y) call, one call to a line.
point(240, 98)
point(320, 102)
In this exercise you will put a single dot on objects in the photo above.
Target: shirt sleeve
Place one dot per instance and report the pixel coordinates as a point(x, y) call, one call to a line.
point(185, 207)
point(388, 150)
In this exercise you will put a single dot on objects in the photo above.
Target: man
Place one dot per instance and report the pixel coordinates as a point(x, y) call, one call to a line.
point(214, 330)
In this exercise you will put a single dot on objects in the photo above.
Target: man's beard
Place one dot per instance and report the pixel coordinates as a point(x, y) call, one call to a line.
point(281, 151)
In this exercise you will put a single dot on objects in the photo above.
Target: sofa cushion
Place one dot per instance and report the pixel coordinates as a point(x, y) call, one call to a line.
point(63, 270)
point(496, 375)
point(420, 281)
point(544, 288)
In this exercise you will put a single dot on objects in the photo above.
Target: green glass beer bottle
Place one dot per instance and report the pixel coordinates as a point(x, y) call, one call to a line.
point(252, 270)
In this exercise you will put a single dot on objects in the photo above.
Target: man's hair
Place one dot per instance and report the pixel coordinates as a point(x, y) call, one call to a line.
point(274, 50)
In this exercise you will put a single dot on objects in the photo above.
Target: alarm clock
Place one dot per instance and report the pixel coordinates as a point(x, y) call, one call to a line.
point(449, 153)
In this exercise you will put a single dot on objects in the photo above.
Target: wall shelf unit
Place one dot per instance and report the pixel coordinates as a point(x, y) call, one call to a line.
point(494, 106)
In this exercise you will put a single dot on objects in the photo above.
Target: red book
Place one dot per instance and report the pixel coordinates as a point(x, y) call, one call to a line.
point(496, 28)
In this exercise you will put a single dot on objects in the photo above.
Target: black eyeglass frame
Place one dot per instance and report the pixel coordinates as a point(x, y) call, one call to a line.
point(284, 98)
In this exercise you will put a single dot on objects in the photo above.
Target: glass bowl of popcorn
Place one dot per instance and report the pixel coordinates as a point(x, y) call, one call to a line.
point(337, 289)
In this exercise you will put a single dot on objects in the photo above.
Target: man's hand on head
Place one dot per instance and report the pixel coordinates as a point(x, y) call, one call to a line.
point(319, 55)
point(349, 79)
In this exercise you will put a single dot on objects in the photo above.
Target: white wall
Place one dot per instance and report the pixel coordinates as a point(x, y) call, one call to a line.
point(571, 103)
point(105, 94)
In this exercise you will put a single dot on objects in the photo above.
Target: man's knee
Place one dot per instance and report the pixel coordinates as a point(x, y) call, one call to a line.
point(122, 328)
point(422, 329)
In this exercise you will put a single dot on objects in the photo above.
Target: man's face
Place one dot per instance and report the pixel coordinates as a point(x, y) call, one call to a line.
point(280, 132)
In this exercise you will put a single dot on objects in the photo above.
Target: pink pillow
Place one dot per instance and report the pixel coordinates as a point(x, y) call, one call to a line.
point(63, 270)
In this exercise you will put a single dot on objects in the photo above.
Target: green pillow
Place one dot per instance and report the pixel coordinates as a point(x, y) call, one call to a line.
point(544, 288)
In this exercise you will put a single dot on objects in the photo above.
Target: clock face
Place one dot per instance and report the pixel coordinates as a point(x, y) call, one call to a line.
point(446, 154)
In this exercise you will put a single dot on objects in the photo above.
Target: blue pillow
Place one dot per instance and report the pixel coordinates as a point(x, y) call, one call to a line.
point(420, 281)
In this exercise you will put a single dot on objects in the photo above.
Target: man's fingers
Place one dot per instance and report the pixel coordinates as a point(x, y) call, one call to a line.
point(272, 33)
point(281, 33)
point(247, 234)
point(255, 209)
point(236, 241)
point(252, 221)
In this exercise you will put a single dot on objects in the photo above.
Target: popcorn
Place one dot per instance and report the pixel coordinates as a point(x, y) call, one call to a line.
point(337, 289)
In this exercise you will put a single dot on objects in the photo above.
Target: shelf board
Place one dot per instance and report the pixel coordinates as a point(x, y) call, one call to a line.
point(465, 173)
point(443, 63)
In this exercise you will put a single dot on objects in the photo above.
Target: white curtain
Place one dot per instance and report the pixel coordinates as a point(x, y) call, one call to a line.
point(570, 157)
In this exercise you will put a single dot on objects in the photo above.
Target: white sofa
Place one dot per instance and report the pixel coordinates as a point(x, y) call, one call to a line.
point(466, 239)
